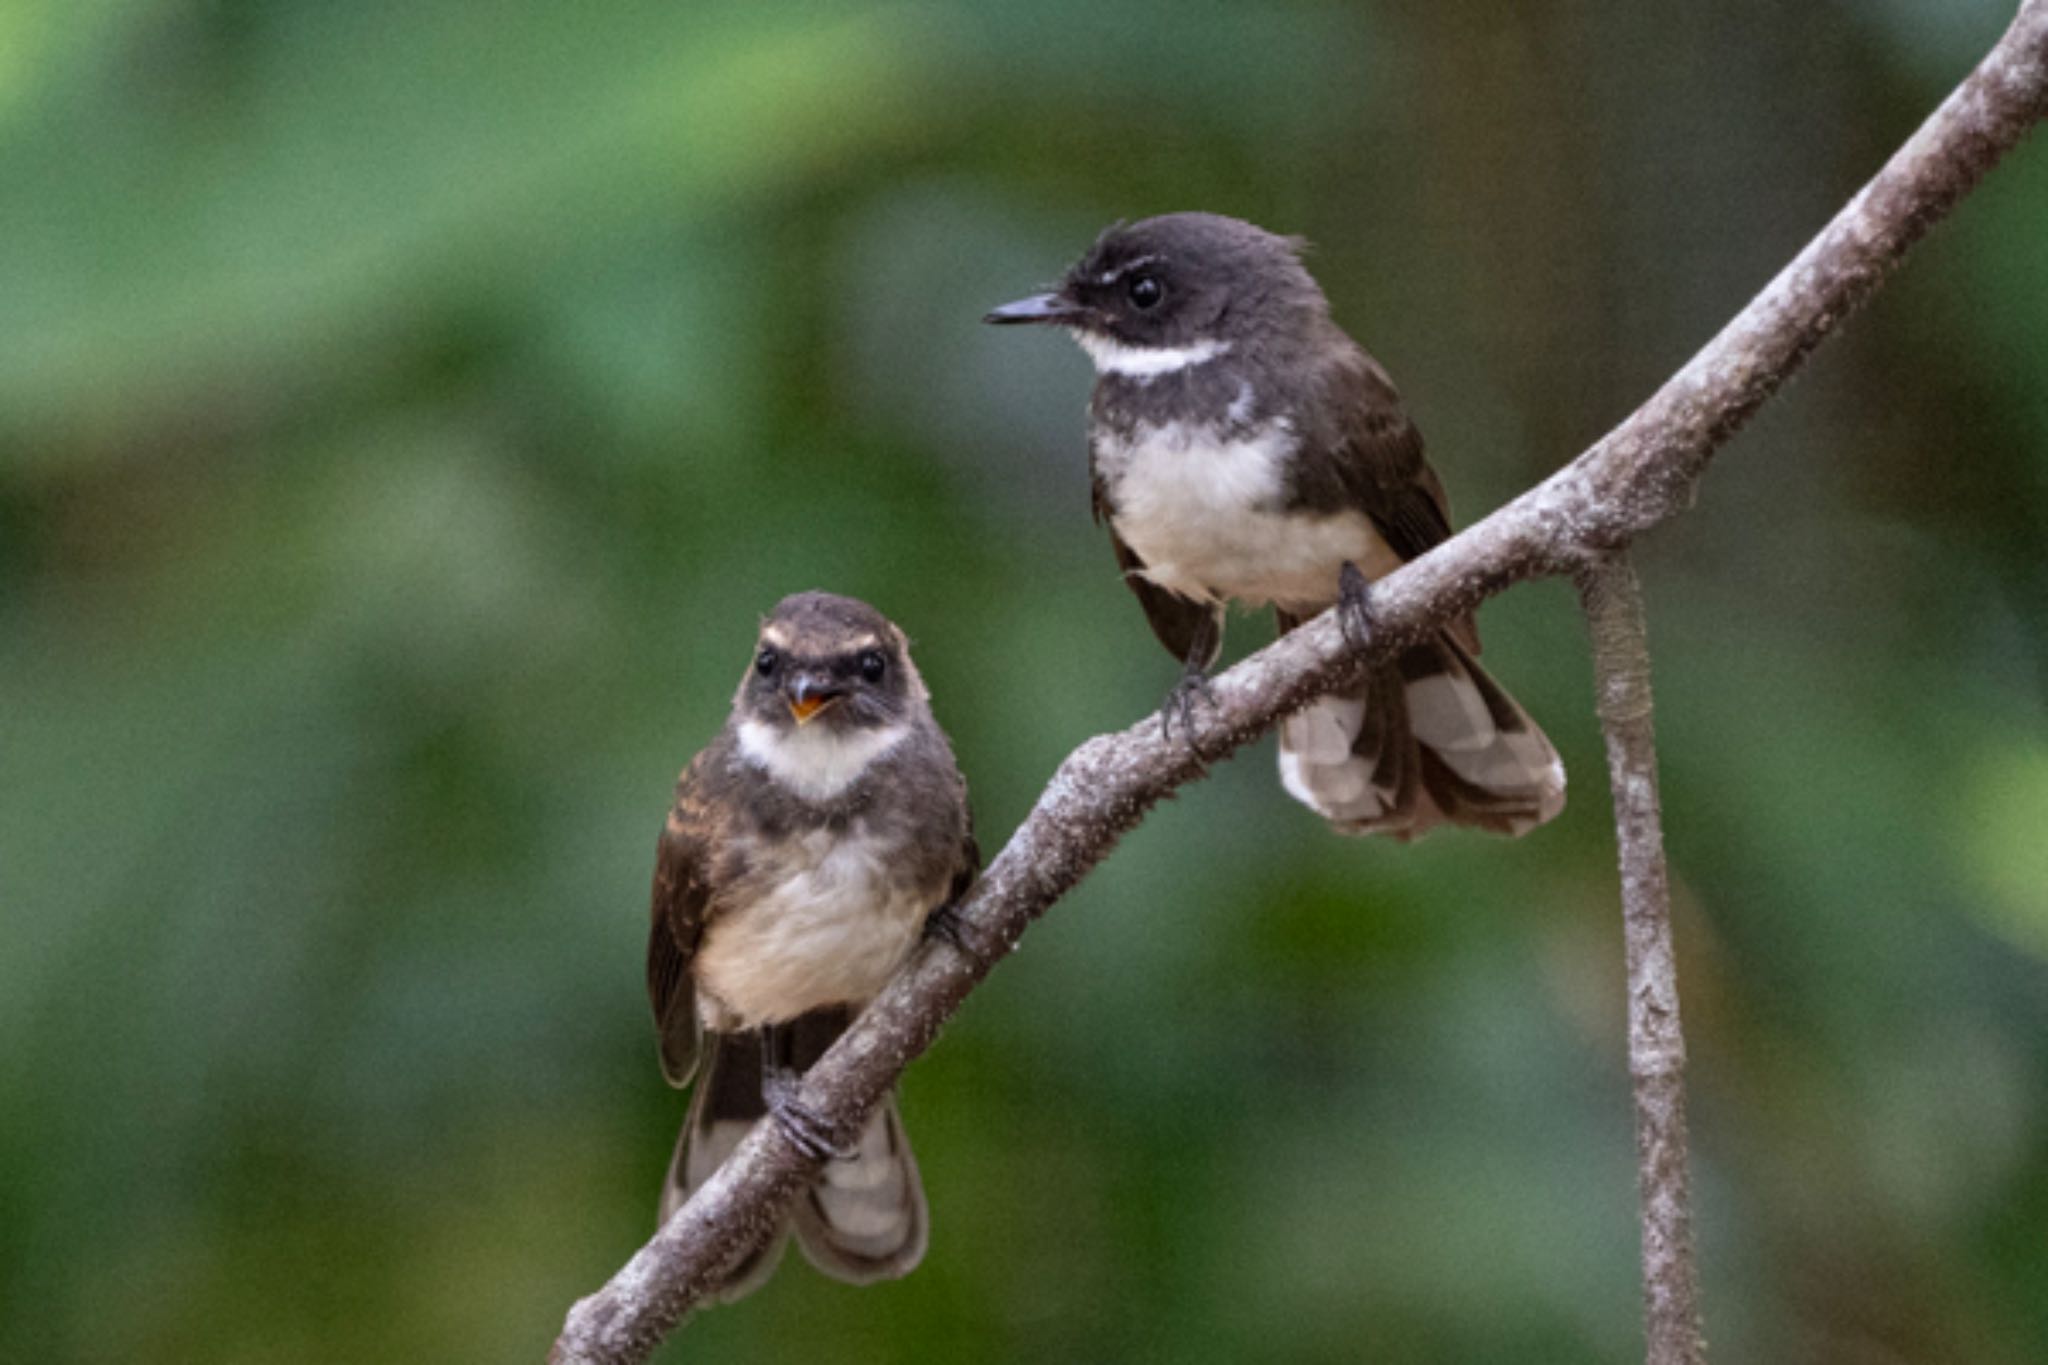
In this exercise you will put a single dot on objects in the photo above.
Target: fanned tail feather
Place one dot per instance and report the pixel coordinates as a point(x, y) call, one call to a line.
point(1429, 739)
point(864, 1220)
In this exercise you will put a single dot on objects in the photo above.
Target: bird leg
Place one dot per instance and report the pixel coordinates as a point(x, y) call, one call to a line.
point(801, 1124)
point(1193, 685)
point(1354, 606)
point(944, 924)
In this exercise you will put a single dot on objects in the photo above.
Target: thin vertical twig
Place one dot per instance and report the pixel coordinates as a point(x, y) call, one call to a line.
point(1613, 601)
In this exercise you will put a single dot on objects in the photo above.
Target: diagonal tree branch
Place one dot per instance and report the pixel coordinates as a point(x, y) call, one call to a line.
point(1613, 601)
point(1638, 476)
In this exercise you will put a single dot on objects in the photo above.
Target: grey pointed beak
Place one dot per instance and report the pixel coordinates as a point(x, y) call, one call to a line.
point(1048, 308)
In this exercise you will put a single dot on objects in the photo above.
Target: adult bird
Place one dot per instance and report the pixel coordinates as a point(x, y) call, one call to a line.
point(1244, 448)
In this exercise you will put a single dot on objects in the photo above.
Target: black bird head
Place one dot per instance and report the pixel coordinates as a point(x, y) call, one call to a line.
point(831, 662)
point(1179, 283)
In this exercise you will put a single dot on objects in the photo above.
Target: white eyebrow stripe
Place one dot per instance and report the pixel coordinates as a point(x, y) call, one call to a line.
point(1146, 363)
point(1112, 276)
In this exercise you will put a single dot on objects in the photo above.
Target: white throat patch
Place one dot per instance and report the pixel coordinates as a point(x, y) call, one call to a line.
point(1145, 363)
point(815, 762)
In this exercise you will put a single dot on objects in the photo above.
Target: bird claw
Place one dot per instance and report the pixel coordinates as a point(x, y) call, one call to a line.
point(800, 1123)
point(1180, 704)
point(1354, 606)
point(944, 924)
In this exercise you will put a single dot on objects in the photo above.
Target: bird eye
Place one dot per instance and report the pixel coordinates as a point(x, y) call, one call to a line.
point(873, 665)
point(1145, 291)
point(766, 662)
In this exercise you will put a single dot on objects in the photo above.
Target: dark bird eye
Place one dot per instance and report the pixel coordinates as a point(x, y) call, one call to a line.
point(766, 662)
point(873, 665)
point(1145, 291)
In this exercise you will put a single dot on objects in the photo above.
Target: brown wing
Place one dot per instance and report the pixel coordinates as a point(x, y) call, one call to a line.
point(1184, 626)
point(967, 853)
point(681, 893)
point(969, 867)
point(1382, 469)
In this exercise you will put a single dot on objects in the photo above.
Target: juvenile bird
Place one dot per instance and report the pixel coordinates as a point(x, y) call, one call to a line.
point(1243, 448)
point(809, 845)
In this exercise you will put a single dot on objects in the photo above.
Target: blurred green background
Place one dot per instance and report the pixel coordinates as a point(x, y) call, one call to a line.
point(407, 409)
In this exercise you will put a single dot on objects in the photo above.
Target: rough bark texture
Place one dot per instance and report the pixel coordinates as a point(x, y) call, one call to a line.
point(1656, 1042)
point(1639, 475)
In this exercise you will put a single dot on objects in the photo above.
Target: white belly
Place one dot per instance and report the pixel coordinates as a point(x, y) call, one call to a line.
point(1205, 517)
point(834, 924)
